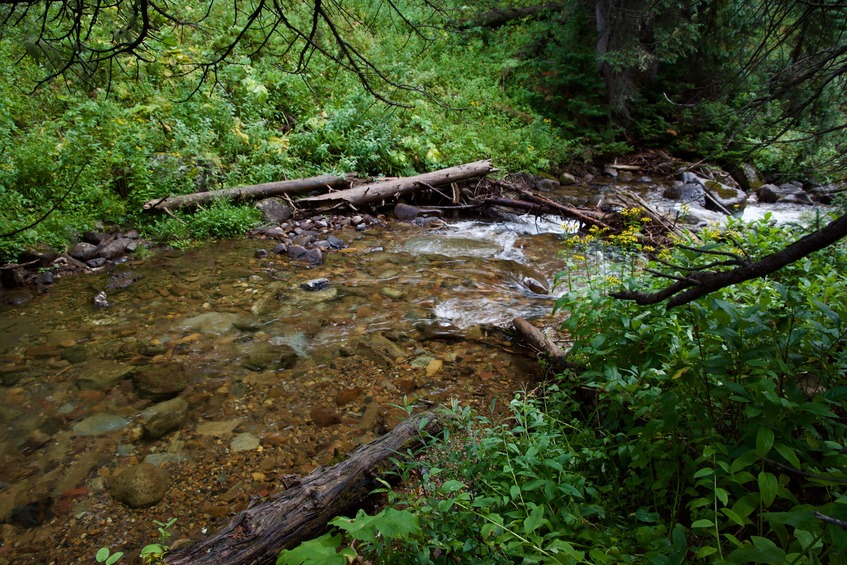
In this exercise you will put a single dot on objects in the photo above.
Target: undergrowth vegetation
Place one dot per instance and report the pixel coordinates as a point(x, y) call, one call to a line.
point(151, 132)
point(713, 432)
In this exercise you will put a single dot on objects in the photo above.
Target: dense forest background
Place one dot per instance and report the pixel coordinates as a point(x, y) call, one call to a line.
point(132, 100)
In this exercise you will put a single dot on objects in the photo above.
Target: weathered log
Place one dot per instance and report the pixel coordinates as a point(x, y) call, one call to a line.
point(258, 534)
point(549, 351)
point(255, 191)
point(390, 189)
point(588, 217)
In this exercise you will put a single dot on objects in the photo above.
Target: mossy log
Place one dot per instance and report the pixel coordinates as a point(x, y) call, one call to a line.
point(258, 534)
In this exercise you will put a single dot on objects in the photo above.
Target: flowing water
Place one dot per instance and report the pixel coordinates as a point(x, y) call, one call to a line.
point(279, 377)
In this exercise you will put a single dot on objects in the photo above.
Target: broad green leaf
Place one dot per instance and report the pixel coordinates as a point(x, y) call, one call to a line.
point(788, 454)
point(733, 516)
point(762, 550)
point(764, 441)
point(705, 551)
point(802, 519)
point(534, 520)
point(742, 462)
point(452, 486)
point(703, 523)
point(704, 472)
point(768, 486)
point(319, 551)
point(722, 495)
point(397, 524)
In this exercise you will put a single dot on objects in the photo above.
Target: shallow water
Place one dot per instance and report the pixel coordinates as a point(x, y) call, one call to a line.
point(410, 314)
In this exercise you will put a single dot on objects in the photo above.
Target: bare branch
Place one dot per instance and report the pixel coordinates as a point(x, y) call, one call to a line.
point(699, 284)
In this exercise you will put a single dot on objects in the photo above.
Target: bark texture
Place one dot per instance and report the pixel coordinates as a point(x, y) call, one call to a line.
point(255, 191)
point(258, 534)
point(387, 190)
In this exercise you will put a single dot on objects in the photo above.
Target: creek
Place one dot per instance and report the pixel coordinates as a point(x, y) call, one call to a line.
point(278, 368)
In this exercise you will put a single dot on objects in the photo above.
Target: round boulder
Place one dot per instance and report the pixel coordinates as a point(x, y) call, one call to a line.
point(140, 486)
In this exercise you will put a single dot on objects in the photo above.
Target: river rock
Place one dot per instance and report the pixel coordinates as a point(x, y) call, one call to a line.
point(218, 323)
point(17, 297)
point(140, 486)
point(336, 243)
point(95, 238)
point(102, 374)
point(244, 442)
point(722, 197)
point(115, 248)
point(535, 286)
point(567, 179)
point(164, 417)
point(274, 210)
point(789, 193)
point(83, 251)
point(391, 292)
point(378, 349)
point(300, 253)
point(43, 254)
point(686, 192)
point(440, 329)
point(264, 355)
point(748, 177)
point(99, 424)
point(161, 380)
point(315, 284)
point(324, 416)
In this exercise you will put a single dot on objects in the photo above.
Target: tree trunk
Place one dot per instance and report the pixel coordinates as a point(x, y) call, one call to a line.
point(258, 534)
point(379, 192)
point(255, 191)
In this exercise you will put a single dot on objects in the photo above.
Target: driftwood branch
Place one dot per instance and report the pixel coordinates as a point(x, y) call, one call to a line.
point(588, 217)
point(386, 190)
point(698, 284)
point(548, 350)
point(255, 191)
point(256, 535)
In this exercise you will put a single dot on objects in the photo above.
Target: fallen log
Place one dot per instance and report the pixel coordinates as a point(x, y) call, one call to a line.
point(255, 191)
point(258, 534)
point(549, 351)
point(588, 217)
point(390, 189)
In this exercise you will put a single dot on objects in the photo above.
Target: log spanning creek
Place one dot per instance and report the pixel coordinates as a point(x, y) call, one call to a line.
point(233, 373)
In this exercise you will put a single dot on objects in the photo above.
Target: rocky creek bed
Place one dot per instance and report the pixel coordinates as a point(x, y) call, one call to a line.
point(193, 384)
point(218, 375)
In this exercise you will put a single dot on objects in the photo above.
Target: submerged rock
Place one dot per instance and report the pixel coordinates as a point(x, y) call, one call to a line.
point(99, 424)
point(140, 486)
point(102, 374)
point(262, 356)
point(161, 380)
point(219, 323)
point(165, 417)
